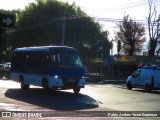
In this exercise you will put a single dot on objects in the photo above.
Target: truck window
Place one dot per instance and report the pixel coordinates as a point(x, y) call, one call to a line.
point(136, 73)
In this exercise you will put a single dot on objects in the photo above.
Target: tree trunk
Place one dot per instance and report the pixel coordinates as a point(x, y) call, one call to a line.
point(153, 45)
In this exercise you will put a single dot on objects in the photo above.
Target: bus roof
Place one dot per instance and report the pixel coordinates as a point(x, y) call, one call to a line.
point(46, 48)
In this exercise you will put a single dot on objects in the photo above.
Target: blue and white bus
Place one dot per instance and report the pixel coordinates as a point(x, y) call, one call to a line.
point(51, 67)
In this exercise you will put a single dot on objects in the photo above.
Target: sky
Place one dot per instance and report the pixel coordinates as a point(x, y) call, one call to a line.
point(113, 9)
point(116, 9)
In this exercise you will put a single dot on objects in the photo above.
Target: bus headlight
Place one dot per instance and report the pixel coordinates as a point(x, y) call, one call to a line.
point(56, 76)
point(83, 77)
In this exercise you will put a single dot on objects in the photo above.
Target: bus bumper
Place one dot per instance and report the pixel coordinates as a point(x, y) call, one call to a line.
point(67, 84)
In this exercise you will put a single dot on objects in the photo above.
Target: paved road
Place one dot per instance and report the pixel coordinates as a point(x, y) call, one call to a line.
point(100, 97)
point(117, 97)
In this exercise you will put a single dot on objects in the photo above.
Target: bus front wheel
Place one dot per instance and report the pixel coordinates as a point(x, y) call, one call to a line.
point(45, 86)
point(76, 90)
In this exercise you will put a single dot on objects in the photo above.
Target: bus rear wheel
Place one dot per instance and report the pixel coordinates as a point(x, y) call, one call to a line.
point(76, 90)
point(23, 86)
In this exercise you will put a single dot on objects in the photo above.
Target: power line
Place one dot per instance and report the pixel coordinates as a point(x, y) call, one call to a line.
point(127, 6)
point(53, 20)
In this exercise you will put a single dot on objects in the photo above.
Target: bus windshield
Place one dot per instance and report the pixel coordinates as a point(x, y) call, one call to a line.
point(67, 59)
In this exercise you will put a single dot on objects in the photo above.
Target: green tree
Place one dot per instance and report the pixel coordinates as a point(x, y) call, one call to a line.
point(41, 24)
point(131, 35)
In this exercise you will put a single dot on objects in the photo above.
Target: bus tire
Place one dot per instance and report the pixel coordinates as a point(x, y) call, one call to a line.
point(147, 88)
point(76, 90)
point(23, 86)
point(45, 86)
point(129, 86)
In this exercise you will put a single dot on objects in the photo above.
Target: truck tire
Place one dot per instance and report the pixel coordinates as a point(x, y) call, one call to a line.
point(148, 88)
point(129, 86)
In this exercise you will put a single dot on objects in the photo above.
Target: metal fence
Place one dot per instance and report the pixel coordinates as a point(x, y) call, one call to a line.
point(114, 69)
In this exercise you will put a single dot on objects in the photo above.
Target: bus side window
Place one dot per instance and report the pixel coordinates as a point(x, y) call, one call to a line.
point(40, 59)
point(56, 58)
point(14, 59)
point(27, 59)
point(46, 60)
point(19, 59)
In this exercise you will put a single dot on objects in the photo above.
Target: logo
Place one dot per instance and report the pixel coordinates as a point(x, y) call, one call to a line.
point(6, 114)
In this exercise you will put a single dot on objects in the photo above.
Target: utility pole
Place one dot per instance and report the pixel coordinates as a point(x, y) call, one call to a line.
point(63, 27)
point(100, 50)
point(118, 50)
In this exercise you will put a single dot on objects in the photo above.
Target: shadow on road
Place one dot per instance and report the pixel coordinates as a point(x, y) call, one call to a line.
point(55, 101)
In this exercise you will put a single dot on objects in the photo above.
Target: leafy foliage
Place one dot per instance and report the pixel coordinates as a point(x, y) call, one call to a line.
point(131, 35)
point(41, 24)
